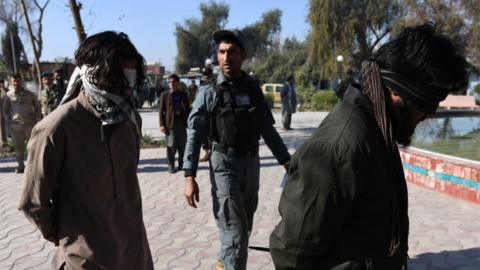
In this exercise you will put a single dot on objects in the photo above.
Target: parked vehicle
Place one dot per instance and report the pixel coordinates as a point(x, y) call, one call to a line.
point(273, 88)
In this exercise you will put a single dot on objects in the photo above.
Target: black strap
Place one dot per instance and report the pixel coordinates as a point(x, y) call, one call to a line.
point(233, 151)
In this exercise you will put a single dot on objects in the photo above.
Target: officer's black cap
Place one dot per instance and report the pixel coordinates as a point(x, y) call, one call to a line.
point(46, 74)
point(233, 35)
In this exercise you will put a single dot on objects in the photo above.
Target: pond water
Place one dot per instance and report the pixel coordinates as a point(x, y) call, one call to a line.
point(452, 135)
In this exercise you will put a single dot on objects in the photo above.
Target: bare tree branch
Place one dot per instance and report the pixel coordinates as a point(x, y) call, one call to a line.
point(35, 39)
point(38, 37)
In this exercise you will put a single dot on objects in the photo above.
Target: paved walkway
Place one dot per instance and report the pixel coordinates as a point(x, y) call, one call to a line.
point(445, 232)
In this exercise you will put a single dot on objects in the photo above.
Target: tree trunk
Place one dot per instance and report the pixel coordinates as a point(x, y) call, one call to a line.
point(75, 8)
point(34, 45)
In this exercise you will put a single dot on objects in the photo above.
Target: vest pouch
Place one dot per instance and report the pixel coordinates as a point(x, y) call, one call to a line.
point(225, 126)
point(254, 125)
point(241, 118)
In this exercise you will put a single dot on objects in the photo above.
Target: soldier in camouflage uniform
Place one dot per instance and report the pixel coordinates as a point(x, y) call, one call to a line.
point(49, 96)
point(22, 112)
point(59, 82)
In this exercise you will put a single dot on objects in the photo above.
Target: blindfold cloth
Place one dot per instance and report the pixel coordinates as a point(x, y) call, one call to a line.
point(425, 97)
point(113, 108)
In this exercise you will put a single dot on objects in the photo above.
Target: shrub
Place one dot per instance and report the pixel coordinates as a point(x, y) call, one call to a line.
point(476, 93)
point(269, 98)
point(304, 96)
point(149, 142)
point(476, 89)
point(324, 100)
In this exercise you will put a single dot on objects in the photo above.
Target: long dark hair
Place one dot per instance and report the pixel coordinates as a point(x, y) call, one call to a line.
point(107, 52)
point(423, 55)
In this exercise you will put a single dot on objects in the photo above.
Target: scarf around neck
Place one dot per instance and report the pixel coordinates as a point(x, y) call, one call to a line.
point(113, 108)
point(373, 87)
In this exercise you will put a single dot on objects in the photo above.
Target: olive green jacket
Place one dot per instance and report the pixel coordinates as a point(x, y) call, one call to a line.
point(336, 207)
point(22, 107)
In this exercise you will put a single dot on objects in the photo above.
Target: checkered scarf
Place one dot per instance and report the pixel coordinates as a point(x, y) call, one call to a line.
point(113, 109)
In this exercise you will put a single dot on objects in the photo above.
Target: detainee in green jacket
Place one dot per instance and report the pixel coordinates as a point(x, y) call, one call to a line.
point(345, 204)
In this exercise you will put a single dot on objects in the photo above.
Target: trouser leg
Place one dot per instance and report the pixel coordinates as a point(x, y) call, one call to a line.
point(18, 136)
point(233, 208)
point(180, 140)
point(286, 119)
point(27, 132)
point(181, 151)
point(171, 156)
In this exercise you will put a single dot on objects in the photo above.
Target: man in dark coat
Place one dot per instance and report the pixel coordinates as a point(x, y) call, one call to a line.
point(173, 114)
point(289, 102)
point(345, 203)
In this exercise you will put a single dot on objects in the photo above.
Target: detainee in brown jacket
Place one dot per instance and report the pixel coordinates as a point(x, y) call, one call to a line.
point(81, 188)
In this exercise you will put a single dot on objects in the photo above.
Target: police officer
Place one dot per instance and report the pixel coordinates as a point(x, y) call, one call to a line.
point(233, 114)
point(49, 96)
point(22, 111)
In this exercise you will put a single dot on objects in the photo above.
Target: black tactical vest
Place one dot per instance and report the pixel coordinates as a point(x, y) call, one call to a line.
point(237, 115)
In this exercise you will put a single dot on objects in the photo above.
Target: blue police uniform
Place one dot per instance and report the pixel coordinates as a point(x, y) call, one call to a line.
point(233, 115)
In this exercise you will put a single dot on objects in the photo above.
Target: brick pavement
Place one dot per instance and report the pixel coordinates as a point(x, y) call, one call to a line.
point(445, 232)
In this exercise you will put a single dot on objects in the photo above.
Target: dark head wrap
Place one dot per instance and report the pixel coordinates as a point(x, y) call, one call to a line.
point(425, 97)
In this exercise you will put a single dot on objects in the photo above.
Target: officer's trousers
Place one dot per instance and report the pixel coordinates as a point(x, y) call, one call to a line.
point(235, 182)
point(20, 135)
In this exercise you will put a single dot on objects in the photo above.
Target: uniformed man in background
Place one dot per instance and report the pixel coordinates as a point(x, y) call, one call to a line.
point(233, 114)
point(49, 96)
point(22, 111)
point(207, 78)
point(59, 82)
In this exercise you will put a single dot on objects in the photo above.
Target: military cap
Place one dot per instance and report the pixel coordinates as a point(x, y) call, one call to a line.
point(233, 35)
point(45, 74)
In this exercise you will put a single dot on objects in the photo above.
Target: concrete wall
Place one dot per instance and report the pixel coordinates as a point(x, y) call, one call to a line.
point(456, 177)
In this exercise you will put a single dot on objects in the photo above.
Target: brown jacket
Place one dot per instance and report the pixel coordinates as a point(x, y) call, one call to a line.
point(166, 108)
point(83, 193)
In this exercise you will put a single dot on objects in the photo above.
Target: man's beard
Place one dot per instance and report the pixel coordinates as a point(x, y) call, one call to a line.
point(402, 127)
point(60, 83)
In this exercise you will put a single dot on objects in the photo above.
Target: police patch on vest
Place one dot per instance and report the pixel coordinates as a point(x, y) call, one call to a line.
point(242, 99)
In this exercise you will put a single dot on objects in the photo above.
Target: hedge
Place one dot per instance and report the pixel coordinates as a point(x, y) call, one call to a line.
point(269, 98)
point(324, 100)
